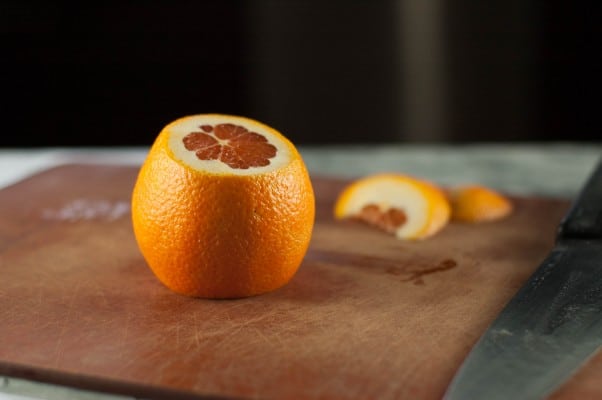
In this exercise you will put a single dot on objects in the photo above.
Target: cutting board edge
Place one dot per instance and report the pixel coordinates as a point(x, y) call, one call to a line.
point(95, 384)
point(314, 176)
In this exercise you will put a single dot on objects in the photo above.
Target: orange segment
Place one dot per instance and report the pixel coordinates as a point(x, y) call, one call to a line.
point(478, 204)
point(222, 207)
point(407, 207)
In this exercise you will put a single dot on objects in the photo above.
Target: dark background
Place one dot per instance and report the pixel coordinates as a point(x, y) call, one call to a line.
point(113, 73)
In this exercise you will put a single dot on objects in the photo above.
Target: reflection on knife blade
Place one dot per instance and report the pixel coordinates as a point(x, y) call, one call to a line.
point(553, 324)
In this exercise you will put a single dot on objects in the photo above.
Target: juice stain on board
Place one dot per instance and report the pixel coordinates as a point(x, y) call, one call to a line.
point(416, 275)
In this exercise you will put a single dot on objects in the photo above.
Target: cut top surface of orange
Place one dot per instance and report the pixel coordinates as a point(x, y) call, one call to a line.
point(223, 207)
point(408, 207)
point(225, 144)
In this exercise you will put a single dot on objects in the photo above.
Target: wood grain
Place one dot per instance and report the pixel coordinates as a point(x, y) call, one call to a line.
point(367, 316)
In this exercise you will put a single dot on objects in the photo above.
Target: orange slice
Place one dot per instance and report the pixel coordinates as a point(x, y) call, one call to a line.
point(222, 207)
point(476, 203)
point(407, 207)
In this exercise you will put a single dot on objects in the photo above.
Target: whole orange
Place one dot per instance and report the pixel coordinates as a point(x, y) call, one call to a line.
point(223, 207)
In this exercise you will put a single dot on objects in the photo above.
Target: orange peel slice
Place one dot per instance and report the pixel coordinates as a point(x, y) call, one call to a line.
point(476, 203)
point(402, 205)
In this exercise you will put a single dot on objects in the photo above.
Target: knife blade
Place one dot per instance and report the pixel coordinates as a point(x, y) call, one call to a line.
point(553, 324)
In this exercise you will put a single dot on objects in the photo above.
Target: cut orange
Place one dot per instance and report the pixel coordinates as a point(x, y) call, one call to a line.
point(223, 207)
point(477, 203)
point(407, 207)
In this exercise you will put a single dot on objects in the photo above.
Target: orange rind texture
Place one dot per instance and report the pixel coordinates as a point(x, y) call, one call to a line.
point(223, 207)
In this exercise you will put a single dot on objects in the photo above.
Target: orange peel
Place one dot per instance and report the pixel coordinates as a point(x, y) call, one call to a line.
point(404, 206)
point(476, 203)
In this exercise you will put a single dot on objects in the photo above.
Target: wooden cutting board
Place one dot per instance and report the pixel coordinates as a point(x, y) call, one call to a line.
point(367, 316)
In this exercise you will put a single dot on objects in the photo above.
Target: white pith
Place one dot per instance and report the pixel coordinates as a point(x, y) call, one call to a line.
point(390, 193)
point(179, 129)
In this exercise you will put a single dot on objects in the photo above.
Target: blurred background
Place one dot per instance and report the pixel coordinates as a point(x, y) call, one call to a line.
point(111, 73)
